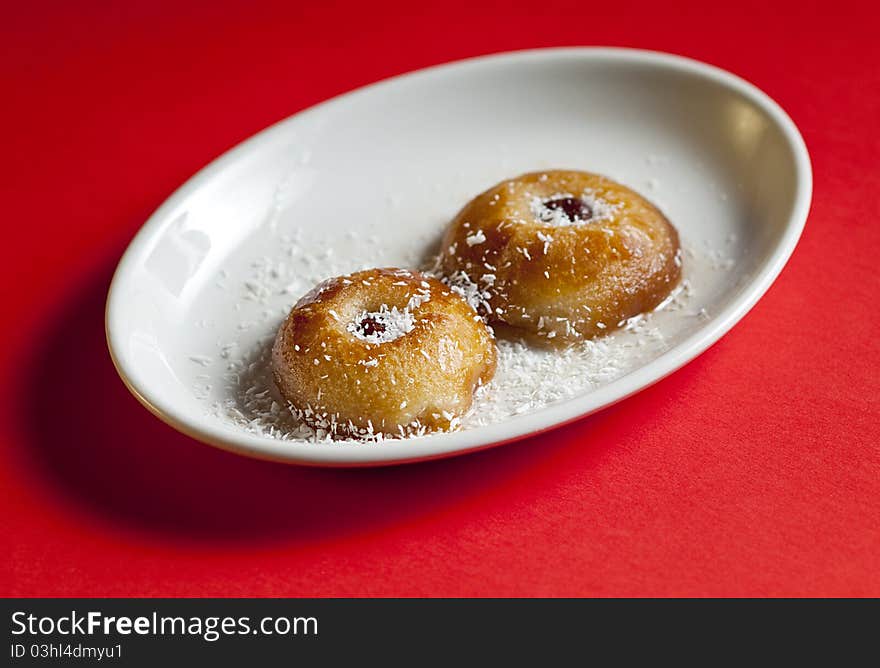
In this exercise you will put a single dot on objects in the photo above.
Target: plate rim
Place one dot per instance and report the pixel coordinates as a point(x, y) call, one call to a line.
point(517, 427)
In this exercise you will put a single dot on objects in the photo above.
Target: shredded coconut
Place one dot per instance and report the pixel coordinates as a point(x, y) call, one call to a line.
point(383, 325)
point(601, 209)
point(478, 298)
point(201, 360)
point(476, 238)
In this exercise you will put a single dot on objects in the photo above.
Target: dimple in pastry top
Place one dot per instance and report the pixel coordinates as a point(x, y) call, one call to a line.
point(387, 352)
point(561, 256)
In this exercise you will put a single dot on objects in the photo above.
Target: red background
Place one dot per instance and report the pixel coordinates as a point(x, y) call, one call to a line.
point(755, 470)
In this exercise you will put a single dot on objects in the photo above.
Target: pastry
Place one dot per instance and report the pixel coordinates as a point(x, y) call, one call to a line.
point(382, 352)
point(561, 256)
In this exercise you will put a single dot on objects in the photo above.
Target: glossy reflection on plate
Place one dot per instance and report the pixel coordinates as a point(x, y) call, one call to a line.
point(372, 178)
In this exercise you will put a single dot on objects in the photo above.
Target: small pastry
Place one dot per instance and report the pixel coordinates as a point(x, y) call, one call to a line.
point(382, 352)
point(562, 255)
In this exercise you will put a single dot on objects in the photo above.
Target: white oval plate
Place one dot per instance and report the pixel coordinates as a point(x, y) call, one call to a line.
point(372, 176)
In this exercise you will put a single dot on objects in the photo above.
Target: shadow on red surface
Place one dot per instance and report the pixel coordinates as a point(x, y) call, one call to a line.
point(108, 455)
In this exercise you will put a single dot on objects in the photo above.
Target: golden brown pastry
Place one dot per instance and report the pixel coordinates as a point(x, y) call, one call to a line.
point(385, 352)
point(562, 255)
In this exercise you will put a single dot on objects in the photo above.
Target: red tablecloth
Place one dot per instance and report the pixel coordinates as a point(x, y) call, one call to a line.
point(755, 470)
